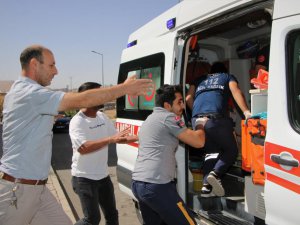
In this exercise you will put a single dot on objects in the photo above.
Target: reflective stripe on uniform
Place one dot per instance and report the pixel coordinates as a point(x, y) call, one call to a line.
point(185, 213)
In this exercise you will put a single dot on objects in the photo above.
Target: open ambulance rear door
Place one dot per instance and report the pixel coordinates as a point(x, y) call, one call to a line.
point(151, 53)
point(282, 149)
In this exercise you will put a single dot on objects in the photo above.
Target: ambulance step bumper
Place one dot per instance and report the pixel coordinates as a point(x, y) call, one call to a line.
point(222, 218)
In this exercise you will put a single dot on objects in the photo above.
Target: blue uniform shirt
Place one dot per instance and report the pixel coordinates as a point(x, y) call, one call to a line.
point(212, 93)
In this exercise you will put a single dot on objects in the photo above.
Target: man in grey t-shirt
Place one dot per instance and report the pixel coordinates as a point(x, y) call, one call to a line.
point(153, 176)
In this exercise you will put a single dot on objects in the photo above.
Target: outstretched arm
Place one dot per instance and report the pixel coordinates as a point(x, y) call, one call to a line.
point(195, 138)
point(120, 137)
point(99, 96)
point(190, 96)
point(239, 98)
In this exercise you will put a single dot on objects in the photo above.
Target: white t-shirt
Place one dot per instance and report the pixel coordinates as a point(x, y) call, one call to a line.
point(82, 129)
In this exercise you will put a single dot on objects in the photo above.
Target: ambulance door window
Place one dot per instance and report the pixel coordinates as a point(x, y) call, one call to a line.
point(148, 102)
point(131, 102)
point(293, 78)
point(150, 67)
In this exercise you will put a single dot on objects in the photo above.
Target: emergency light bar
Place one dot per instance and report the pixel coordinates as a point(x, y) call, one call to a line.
point(133, 43)
point(171, 23)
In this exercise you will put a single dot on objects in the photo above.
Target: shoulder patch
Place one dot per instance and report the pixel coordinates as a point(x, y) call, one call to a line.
point(179, 121)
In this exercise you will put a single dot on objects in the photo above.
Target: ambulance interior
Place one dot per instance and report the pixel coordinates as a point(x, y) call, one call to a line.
point(235, 42)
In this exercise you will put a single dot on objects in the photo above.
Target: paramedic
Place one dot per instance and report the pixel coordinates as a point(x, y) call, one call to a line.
point(91, 132)
point(153, 176)
point(29, 110)
point(208, 98)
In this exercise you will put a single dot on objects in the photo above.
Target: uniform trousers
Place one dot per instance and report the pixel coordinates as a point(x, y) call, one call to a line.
point(219, 138)
point(35, 205)
point(161, 204)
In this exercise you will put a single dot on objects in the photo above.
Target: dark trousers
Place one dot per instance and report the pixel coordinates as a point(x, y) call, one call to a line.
point(93, 193)
point(219, 139)
point(161, 204)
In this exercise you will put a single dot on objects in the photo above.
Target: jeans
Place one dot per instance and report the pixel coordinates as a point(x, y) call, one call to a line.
point(93, 193)
point(160, 203)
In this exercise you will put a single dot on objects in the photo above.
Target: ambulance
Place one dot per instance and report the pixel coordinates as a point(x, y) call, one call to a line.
point(263, 185)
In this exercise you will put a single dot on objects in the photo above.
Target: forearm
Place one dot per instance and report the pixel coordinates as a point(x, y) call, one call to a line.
point(99, 96)
point(198, 139)
point(128, 139)
point(190, 97)
point(189, 101)
point(195, 138)
point(92, 146)
point(238, 96)
point(240, 100)
point(92, 97)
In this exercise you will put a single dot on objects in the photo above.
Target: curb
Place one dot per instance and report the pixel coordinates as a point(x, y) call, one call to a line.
point(55, 188)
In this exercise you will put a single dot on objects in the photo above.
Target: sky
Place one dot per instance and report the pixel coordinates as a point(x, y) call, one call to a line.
point(72, 29)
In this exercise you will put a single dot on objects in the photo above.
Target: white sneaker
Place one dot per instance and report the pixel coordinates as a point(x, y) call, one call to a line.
point(216, 184)
point(206, 192)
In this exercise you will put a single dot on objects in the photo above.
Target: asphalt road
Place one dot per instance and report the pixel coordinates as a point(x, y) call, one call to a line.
point(61, 163)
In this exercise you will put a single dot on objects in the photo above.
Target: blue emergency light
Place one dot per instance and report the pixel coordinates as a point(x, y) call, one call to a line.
point(171, 23)
point(133, 43)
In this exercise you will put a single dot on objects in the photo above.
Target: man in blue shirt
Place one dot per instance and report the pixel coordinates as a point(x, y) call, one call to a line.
point(208, 98)
point(28, 116)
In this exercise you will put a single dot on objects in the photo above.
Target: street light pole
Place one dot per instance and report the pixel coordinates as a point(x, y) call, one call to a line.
point(102, 56)
point(71, 85)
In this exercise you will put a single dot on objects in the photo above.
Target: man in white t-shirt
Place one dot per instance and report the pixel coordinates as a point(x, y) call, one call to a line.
point(91, 132)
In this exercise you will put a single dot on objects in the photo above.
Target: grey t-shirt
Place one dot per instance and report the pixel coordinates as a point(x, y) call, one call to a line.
point(28, 110)
point(157, 146)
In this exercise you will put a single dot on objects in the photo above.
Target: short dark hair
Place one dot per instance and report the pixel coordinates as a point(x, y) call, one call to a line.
point(166, 93)
point(28, 53)
point(88, 86)
point(218, 67)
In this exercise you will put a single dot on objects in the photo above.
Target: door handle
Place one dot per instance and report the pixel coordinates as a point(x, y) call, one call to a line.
point(285, 159)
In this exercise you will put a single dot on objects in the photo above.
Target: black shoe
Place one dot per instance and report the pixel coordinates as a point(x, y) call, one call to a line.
point(216, 184)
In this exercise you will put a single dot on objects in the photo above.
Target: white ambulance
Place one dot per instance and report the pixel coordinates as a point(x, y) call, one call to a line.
point(191, 36)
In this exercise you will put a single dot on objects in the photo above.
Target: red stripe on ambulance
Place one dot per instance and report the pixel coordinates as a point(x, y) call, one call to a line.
point(134, 130)
point(271, 149)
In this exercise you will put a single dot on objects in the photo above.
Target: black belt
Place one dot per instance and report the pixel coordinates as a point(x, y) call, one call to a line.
point(211, 115)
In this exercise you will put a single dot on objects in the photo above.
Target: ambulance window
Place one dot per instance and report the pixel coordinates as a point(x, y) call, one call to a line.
point(293, 77)
point(148, 102)
point(139, 107)
point(144, 102)
point(131, 102)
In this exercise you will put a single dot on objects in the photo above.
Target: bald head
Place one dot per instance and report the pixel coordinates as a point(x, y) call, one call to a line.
point(33, 51)
point(38, 64)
